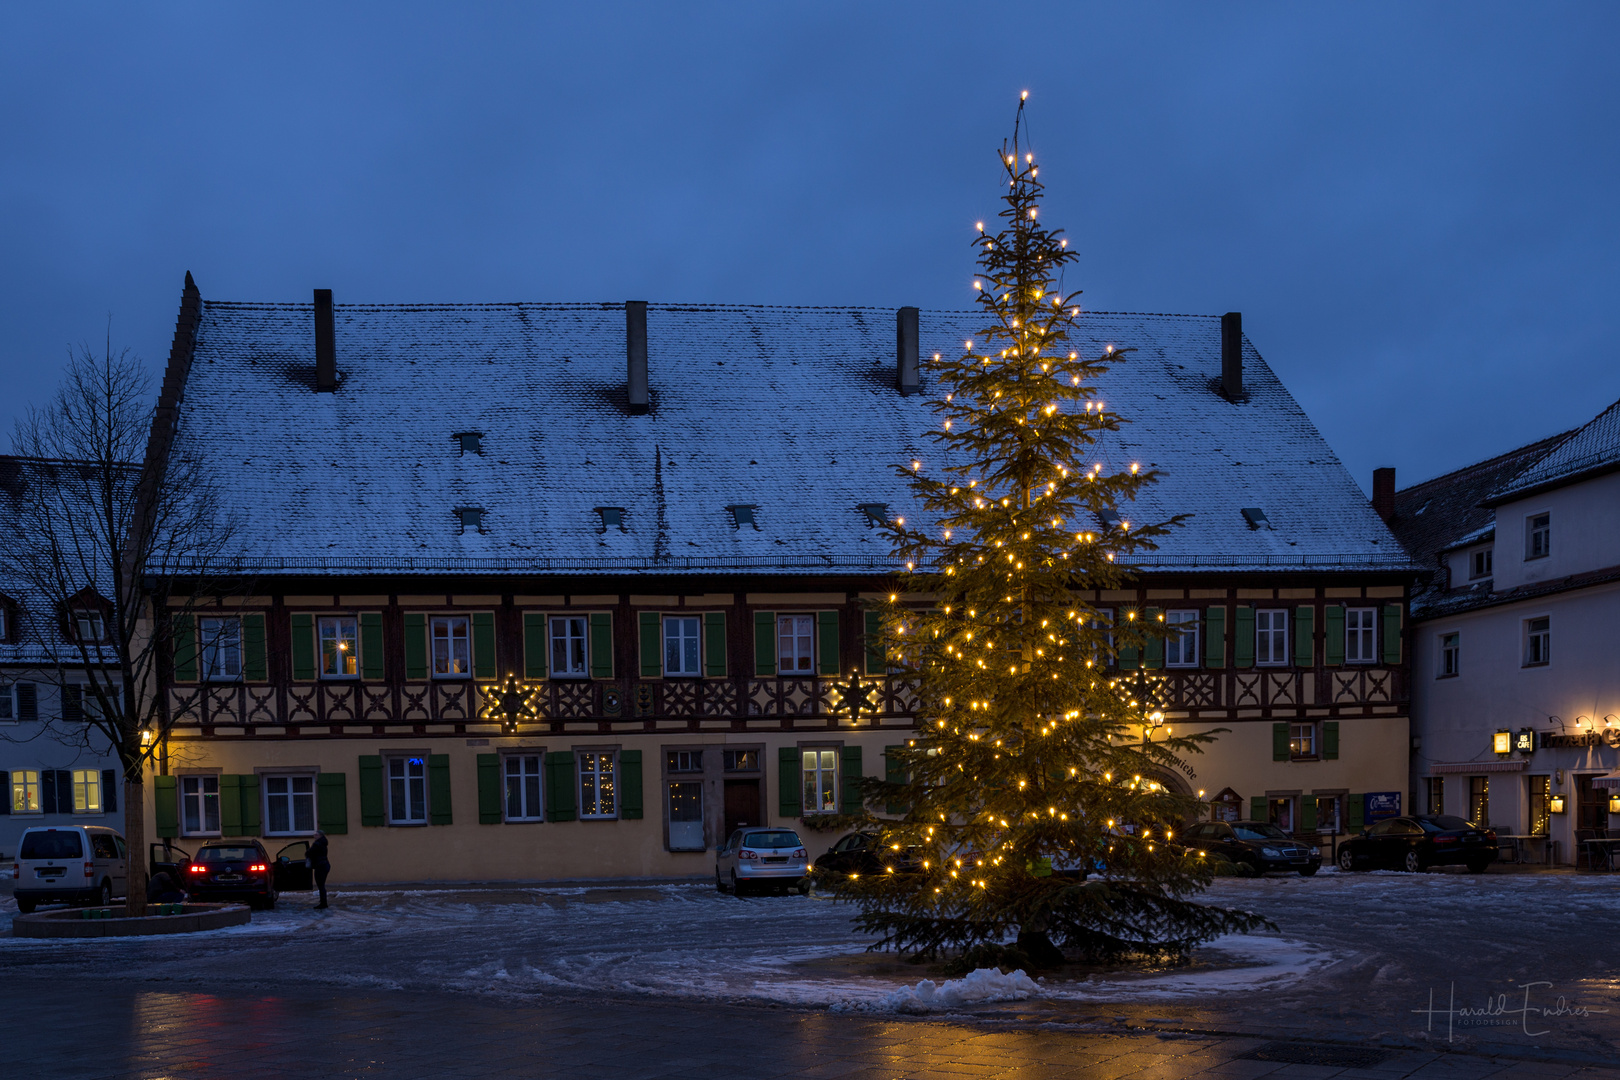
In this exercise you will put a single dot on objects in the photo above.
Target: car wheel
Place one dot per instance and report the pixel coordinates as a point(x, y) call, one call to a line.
point(1307, 871)
point(25, 906)
point(719, 883)
point(736, 886)
point(1347, 859)
point(1413, 863)
point(106, 893)
point(1477, 867)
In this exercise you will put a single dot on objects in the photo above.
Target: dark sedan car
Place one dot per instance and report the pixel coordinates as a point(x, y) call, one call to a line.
point(1419, 842)
point(1256, 844)
point(860, 853)
point(232, 870)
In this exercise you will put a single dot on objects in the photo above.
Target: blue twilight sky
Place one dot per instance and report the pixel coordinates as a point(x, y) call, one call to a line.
point(1414, 206)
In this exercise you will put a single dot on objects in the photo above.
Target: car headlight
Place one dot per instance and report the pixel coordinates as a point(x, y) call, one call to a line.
point(1316, 851)
point(1271, 853)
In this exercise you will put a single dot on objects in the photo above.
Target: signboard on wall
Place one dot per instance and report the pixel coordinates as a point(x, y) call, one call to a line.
point(1378, 805)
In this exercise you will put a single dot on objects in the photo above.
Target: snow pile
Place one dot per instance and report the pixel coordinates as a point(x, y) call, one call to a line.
point(983, 985)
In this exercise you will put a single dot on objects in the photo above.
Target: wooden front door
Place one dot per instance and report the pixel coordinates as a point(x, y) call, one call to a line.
point(742, 805)
point(1591, 804)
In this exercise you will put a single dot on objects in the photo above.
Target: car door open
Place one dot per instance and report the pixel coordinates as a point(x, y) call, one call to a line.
point(292, 868)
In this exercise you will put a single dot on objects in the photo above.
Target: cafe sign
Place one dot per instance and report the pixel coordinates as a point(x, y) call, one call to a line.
point(1609, 737)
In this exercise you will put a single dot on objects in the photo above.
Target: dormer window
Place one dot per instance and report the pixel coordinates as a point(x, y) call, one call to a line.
point(743, 515)
point(1256, 517)
point(1479, 564)
point(471, 518)
point(471, 442)
point(89, 626)
point(876, 513)
point(612, 518)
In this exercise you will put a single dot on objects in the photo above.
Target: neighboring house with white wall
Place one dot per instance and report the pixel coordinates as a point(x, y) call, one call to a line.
point(1515, 679)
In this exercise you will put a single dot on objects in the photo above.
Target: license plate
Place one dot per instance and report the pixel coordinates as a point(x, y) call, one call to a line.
point(50, 871)
point(783, 860)
point(227, 877)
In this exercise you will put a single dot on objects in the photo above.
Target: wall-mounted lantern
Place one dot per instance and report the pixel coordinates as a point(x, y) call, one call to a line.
point(1556, 804)
point(1614, 803)
point(1503, 742)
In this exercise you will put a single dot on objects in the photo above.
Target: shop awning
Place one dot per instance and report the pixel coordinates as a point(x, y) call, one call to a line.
point(1607, 781)
point(1479, 766)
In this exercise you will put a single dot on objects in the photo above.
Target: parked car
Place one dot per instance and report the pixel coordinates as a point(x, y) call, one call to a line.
point(774, 858)
point(73, 864)
point(291, 872)
point(231, 870)
point(860, 853)
point(1257, 844)
point(1418, 842)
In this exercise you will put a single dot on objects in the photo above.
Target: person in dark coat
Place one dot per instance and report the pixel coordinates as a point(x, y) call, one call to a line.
point(321, 866)
point(161, 889)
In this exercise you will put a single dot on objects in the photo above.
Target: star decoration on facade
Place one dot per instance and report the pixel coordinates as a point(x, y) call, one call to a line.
point(509, 703)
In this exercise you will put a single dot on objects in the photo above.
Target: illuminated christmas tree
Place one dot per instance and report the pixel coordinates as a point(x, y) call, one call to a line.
point(1030, 801)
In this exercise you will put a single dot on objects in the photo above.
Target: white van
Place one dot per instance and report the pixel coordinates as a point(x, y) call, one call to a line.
point(74, 864)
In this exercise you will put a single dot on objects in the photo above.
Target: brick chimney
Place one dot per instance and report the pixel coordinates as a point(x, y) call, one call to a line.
point(907, 376)
point(325, 346)
point(635, 353)
point(1232, 355)
point(1383, 499)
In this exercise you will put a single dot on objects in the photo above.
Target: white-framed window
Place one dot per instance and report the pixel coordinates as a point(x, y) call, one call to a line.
point(681, 645)
point(1181, 647)
point(819, 777)
point(289, 805)
point(1360, 635)
point(1537, 641)
point(25, 791)
point(1537, 536)
point(1327, 813)
point(1282, 813)
point(340, 646)
point(452, 646)
point(1302, 742)
point(598, 783)
point(1450, 655)
point(684, 761)
point(570, 658)
point(199, 806)
point(1479, 564)
point(796, 644)
point(522, 775)
point(1271, 637)
point(407, 790)
point(685, 800)
point(89, 625)
point(87, 791)
point(221, 648)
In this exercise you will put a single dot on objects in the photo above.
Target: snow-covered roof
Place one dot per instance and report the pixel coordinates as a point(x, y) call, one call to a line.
point(792, 410)
point(1591, 449)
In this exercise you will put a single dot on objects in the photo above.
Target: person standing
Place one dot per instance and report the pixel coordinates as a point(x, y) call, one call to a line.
point(320, 865)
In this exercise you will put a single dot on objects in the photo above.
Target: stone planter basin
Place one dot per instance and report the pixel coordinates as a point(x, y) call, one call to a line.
point(72, 923)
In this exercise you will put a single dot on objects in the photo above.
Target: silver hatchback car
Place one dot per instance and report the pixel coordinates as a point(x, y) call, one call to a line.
point(773, 858)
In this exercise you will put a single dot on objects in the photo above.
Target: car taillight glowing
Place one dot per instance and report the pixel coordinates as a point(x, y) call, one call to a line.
point(195, 868)
point(257, 868)
point(744, 853)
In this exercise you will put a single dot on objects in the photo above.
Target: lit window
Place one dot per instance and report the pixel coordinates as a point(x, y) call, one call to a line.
point(1538, 536)
point(1282, 814)
point(340, 647)
point(1327, 814)
point(1436, 786)
point(685, 815)
point(1479, 564)
point(86, 791)
point(1271, 637)
point(199, 805)
point(1360, 635)
point(740, 760)
point(597, 790)
point(523, 787)
point(221, 648)
point(681, 645)
point(820, 776)
point(1540, 804)
point(25, 791)
point(1537, 642)
point(452, 647)
point(1450, 654)
point(1302, 741)
point(407, 791)
point(568, 651)
point(685, 761)
point(1181, 648)
point(1479, 800)
point(795, 644)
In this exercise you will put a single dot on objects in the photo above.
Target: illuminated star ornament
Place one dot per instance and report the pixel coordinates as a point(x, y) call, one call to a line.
point(854, 696)
point(509, 703)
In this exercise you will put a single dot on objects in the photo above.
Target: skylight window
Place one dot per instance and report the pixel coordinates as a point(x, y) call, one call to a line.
point(471, 442)
point(471, 517)
point(1256, 517)
point(1109, 517)
point(612, 518)
point(876, 513)
point(743, 515)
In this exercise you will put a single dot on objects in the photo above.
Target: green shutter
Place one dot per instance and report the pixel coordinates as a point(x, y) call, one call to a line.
point(652, 657)
point(438, 789)
point(303, 647)
point(255, 666)
point(1357, 820)
point(849, 781)
point(1129, 657)
point(1333, 617)
point(1392, 633)
point(1215, 637)
point(828, 660)
point(1258, 808)
point(1153, 648)
point(787, 781)
point(630, 784)
point(185, 651)
point(601, 653)
point(534, 645)
point(332, 803)
point(765, 644)
point(1279, 742)
point(371, 646)
point(1304, 634)
point(489, 789)
point(371, 788)
point(560, 784)
point(248, 793)
point(416, 657)
point(1307, 813)
point(1243, 638)
point(230, 805)
point(483, 645)
point(876, 658)
point(1330, 740)
point(166, 804)
point(714, 644)
point(894, 771)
